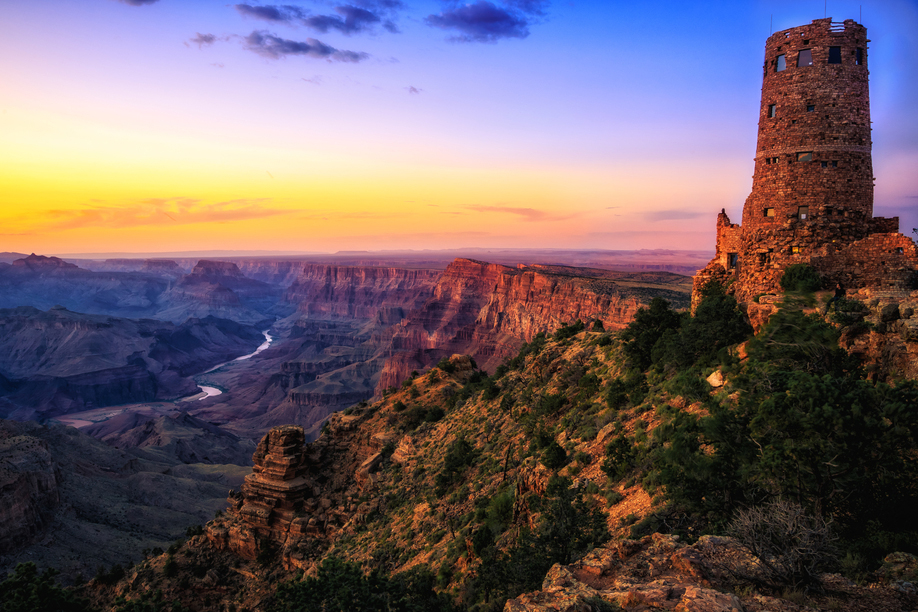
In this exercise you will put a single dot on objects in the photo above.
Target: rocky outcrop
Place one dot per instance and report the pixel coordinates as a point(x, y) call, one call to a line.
point(272, 495)
point(40, 263)
point(330, 291)
point(656, 572)
point(207, 267)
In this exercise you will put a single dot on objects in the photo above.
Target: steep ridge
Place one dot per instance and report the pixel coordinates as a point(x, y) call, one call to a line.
point(488, 310)
point(59, 361)
point(485, 486)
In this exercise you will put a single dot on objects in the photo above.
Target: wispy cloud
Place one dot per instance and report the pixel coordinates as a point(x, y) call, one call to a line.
point(528, 214)
point(413, 90)
point(138, 2)
point(268, 45)
point(673, 215)
point(159, 211)
point(202, 40)
point(484, 21)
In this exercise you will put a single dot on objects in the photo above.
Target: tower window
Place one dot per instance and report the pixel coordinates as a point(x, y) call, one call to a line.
point(900, 251)
point(772, 110)
point(835, 164)
point(805, 156)
point(824, 164)
point(803, 212)
point(781, 64)
point(835, 55)
point(859, 57)
point(810, 108)
point(769, 212)
point(804, 58)
point(795, 250)
point(732, 260)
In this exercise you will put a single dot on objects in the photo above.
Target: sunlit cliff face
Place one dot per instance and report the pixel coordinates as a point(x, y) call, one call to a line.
point(151, 126)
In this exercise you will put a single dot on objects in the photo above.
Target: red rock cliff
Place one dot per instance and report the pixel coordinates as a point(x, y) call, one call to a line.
point(489, 310)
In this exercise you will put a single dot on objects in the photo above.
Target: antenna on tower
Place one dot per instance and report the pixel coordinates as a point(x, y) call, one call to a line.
point(771, 25)
point(825, 8)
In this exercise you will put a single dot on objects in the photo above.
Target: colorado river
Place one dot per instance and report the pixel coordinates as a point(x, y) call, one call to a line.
point(214, 391)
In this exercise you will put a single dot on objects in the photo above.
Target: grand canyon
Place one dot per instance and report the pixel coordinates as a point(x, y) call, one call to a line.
point(407, 319)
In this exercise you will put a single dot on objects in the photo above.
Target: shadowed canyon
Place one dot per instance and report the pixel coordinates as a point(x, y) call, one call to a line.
point(123, 350)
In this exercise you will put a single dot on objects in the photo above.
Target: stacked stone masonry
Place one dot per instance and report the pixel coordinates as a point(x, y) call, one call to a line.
point(812, 191)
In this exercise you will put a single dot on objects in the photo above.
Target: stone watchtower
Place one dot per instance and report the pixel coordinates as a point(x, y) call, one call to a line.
point(812, 189)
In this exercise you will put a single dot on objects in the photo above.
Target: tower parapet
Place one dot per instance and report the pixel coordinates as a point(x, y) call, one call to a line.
point(812, 190)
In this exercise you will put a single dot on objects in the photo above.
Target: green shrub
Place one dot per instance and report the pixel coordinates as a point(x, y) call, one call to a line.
point(569, 331)
point(800, 277)
point(446, 366)
point(554, 456)
point(27, 590)
point(341, 586)
point(849, 312)
point(620, 457)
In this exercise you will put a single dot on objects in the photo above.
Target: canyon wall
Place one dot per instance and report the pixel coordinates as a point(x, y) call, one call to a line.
point(488, 311)
point(351, 292)
point(57, 362)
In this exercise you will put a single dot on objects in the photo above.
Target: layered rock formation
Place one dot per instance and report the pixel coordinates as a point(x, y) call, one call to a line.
point(272, 496)
point(488, 310)
point(329, 291)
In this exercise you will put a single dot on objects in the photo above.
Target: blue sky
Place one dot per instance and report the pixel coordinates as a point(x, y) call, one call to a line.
point(171, 125)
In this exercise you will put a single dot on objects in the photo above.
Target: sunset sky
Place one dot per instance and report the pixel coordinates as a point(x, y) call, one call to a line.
point(314, 125)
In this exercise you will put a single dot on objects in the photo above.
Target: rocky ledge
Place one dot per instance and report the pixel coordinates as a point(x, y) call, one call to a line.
point(658, 572)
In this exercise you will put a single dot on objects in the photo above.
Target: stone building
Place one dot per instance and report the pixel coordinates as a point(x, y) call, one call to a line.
point(812, 190)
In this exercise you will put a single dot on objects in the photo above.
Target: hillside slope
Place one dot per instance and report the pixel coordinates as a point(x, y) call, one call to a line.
point(481, 485)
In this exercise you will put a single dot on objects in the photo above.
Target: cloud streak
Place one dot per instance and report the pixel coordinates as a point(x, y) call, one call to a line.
point(673, 215)
point(160, 211)
point(359, 16)
point(274, 13)
point(526, 214)
point(273, 47)
point(138, 2)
